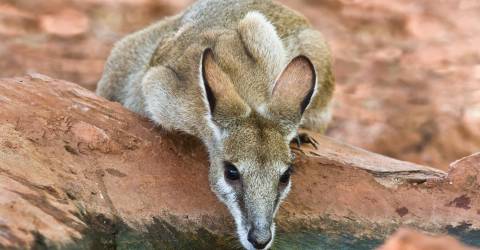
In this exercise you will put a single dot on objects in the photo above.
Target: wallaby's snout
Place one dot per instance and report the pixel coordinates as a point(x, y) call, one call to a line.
point(261, 203)
point(260, 235)
point(259, 194)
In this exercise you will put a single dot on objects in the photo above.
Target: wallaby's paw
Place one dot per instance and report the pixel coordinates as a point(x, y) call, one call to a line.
point(304, 138)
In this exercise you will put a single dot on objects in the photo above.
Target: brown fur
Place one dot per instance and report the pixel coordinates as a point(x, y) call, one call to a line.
point(225, 72)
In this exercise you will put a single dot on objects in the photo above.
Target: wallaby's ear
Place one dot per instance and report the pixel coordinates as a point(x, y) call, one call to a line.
point(209, 76)
point(294, 88)
point(222, 98)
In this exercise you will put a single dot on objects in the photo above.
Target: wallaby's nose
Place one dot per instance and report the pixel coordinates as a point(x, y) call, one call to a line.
point(259, 238)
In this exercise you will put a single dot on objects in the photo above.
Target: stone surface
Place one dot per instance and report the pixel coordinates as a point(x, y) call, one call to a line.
point(78, 170)
point(408, 239)
point(65, 23)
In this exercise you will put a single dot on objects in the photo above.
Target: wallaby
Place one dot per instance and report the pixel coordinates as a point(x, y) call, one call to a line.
point(241, 75)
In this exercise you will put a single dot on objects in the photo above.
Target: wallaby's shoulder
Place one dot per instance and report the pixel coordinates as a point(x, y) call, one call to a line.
point(132, 55)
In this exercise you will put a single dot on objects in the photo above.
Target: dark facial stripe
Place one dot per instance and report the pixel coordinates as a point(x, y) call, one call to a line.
point(210, 97)
point(308, 97)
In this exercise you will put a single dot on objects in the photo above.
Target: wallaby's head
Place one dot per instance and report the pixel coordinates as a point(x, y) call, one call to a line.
point(251, 165)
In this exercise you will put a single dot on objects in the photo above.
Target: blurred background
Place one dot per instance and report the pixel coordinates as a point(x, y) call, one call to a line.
point(407, 71)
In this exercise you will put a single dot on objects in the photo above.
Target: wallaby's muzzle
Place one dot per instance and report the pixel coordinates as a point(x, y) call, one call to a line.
point(261, 201)
point(260, 237)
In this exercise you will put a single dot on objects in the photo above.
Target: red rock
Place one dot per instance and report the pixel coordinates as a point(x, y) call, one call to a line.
point(406, 239)
point(88, 133)
point(52, 184)
point(14, 21)
point(65, 23)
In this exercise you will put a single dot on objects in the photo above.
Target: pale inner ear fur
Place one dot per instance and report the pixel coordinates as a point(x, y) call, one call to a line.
point(294, 87)
point(224, 100)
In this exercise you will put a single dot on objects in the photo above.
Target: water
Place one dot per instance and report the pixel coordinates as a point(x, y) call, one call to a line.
point(107, 234)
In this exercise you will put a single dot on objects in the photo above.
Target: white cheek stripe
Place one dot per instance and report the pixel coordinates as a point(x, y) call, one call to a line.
point(234, 209)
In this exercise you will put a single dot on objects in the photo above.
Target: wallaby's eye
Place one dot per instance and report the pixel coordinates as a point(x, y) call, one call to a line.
point(231, 172)
point(286, 175)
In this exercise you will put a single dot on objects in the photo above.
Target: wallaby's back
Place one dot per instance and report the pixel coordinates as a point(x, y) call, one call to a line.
point(177, 43)
point(207, 14)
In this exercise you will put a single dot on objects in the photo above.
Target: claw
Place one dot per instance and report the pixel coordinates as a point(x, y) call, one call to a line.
point(298, 141)
point(297, 150)
point(304, 138)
